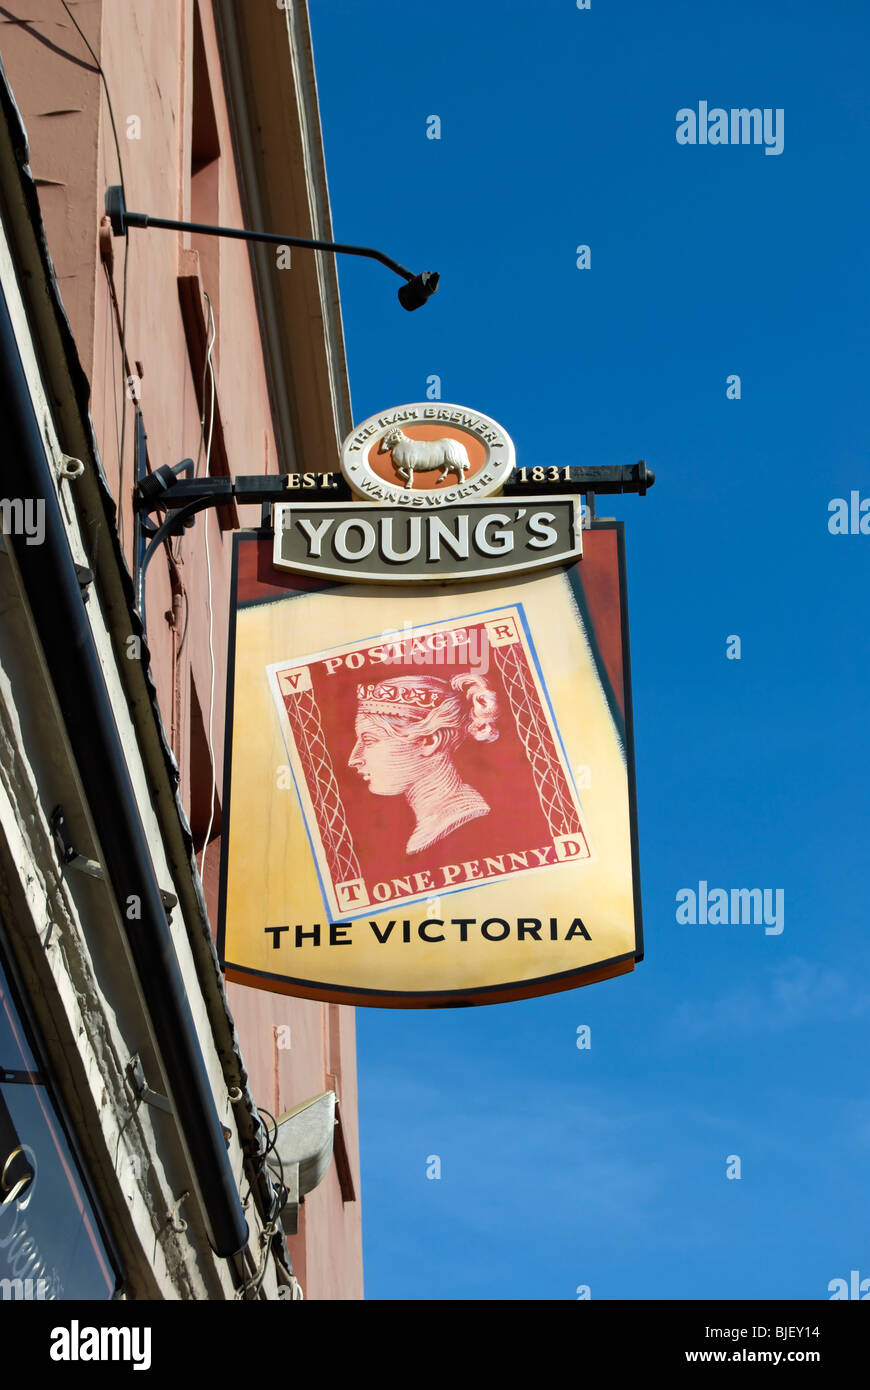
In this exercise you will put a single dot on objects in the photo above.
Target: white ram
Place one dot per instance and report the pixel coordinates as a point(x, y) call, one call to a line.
point(412, 456)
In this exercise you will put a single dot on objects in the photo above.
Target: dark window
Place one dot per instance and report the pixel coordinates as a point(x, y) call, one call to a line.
point(205, 805)
point(205, 172)
point(50, 1244)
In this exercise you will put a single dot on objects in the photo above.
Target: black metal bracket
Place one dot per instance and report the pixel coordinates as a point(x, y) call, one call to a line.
point(164, 490)
point(140, 1088)
point(589, 479)
point(148, 497)
point(67, 853)
point(182, 497)
point(413, 294)
point(71, 859)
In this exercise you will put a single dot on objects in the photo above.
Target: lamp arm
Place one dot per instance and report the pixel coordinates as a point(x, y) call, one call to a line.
point(419, 287)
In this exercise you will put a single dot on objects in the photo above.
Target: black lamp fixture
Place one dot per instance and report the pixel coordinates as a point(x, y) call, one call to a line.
point(412, 295)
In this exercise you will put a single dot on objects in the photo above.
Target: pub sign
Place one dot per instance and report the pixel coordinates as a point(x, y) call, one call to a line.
point(429, 796)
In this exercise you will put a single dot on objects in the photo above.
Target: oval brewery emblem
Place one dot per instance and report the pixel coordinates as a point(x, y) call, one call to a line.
point(427, 455)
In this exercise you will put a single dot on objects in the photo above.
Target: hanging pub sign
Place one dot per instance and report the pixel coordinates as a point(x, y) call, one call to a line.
point(429, 796)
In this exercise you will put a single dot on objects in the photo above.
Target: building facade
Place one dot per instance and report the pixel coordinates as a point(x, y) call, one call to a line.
point(139, 1092)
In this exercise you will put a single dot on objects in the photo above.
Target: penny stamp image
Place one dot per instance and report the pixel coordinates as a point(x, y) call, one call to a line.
point(413, 782)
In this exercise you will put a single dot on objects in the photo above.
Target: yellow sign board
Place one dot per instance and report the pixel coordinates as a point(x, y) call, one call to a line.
point(429, 796)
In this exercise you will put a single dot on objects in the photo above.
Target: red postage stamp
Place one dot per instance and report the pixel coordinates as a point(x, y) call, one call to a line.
point(428, 762)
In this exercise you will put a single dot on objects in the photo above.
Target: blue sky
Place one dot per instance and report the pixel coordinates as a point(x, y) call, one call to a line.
point(607, 1167)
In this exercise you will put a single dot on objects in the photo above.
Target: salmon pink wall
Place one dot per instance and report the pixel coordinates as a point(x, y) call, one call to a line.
point(147, 50)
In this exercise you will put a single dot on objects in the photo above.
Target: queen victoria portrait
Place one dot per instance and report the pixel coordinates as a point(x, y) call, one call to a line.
point(407, 731)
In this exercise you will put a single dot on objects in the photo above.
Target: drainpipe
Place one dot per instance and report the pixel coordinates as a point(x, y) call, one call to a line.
point(55, 598)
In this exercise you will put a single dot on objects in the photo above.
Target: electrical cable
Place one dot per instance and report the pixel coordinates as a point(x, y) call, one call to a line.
point(252, 1286)
point(210, 605)
point(261, 1110)
point(206, 368)
point(271, 1144)
point(111, 356)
